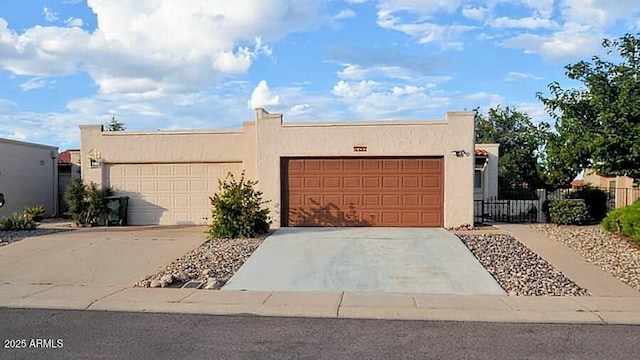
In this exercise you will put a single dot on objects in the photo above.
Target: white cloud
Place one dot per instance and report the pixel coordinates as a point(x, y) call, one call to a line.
point(145, 46)
point(425, 32)
point(517, 76)
point(344, 14)
point(353, 90)
point(475, 13)
point(49, 14)
point(74, 22)
point(599, 13)
point(492, 100)
point(570, 42)
point(34, 83)
point(263, 97)
point(524, 23)
point(299, 109)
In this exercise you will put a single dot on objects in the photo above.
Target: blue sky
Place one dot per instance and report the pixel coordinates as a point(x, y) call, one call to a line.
point(202, 64)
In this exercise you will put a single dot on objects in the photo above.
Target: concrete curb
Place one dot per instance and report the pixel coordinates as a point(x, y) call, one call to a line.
point(566, 310)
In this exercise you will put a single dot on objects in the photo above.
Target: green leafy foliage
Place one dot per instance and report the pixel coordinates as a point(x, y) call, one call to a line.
point(595, 199)
point(598, 124)
point(568, 212)
point(86, 204)
point(115, 125)
point(237, 210)
point(18, 222)
point(521, 143)
point(625, 220)
point(35, 212)
point(75, 197)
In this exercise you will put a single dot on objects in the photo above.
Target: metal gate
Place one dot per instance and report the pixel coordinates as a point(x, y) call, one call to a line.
point(508, 211)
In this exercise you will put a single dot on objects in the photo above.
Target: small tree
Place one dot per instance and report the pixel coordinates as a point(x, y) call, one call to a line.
point(86, 203)
point(237, 209)
point(115, 125)
point(75, 197)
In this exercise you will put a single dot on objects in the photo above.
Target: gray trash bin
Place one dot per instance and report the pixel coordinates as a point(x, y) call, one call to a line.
point(117, 210)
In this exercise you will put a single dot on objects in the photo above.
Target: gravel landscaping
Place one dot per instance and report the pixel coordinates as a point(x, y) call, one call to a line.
point(212, 264)
point(9, 236)
point(613, 253)
point(517, 269)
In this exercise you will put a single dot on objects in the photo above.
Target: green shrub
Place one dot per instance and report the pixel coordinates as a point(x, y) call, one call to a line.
point(625, 220)
point(35, 212)
point(17, 222)
point(86, 204)
point(595, 199)
point(568, 212)
point(237, 210)
point(75, 196)
point(97, 204)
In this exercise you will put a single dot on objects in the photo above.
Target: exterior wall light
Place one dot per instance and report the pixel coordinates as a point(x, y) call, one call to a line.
point(460, 153)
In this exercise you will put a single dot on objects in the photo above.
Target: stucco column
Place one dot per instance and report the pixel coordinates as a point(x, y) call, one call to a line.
point(458, 193)
point(268, 151)
point(90, 141)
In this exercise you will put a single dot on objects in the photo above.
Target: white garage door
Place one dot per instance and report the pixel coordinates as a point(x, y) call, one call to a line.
point(168, 194)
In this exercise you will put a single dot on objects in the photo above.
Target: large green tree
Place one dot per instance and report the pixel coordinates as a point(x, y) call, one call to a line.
point(521, 142)
point(598, 124)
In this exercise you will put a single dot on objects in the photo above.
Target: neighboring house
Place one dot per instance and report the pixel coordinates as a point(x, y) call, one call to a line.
point(485, 176)
point(68, 171)
point(28, 176)
point(620, 188)
point(393, 173)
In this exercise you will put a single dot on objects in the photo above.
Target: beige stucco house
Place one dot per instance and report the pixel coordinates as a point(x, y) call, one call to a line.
point(621, 189)
point(28, 176)
point(395, 173)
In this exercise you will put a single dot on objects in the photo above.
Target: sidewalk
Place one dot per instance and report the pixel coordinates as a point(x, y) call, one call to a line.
point(587, 309)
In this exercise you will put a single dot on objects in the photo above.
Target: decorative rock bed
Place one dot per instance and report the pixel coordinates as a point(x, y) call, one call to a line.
point(616, 254)
point(211, 264)
point(517, 269)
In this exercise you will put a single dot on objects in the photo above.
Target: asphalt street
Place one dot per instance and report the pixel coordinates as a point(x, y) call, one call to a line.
point(54, 334)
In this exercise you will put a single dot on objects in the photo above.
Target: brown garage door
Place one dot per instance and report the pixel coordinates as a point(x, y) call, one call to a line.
point(363, 192)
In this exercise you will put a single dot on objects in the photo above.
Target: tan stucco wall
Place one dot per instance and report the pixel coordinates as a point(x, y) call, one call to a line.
point(590, 177)
point(490, 180)
point(28, 176)
point(399, 138)
point(126, 147)
point(261, 144)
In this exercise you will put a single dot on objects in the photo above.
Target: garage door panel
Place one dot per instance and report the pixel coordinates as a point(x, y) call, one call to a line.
point(332, 165)
point(371, 182)
point(390, 182)
point(164, 185)
point(332, 182)
point(364, 191)
point(168, 193)
point(411, 182)
point(369, 165)
point(351, 182)
point(313, 182)
point(352, 200)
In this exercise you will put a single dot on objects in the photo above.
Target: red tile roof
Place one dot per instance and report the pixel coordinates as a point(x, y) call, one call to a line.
point(65, 157)
point(577, 183)
point(482, 152)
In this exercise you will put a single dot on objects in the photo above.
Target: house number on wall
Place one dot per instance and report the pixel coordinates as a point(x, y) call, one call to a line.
point(360, 148)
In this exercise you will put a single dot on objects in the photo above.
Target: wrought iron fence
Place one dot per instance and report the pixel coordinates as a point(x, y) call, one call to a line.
point(527, 206)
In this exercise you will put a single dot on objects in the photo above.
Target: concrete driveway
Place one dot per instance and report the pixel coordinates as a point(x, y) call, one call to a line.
point(110, 257)
point(390, 260)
